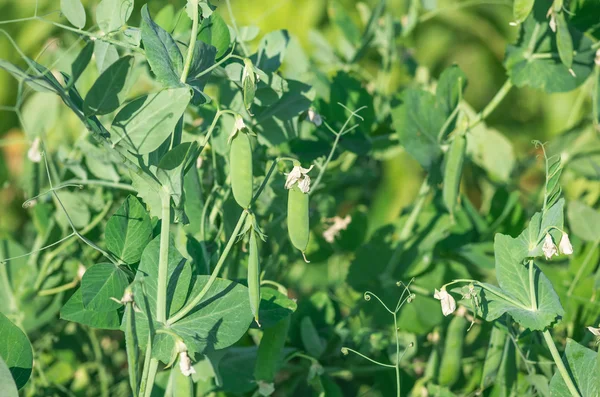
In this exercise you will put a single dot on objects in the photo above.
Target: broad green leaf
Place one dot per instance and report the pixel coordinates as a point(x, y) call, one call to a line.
point(582, 365)
point(106, 54)
point(74, 11)
point(99, 284)
point(274, 307)
point(81, 62)
point(104, 97)
point(37, 83)
point(417, 122)
point(204, 57)
point(144, 123)
point(214, 31)
point(77, 209)
point(40, 114)
point(6, 380)
point(450, 85)
point(73, 310)
point(534, 60)
point(584, 221)
point(522, 9)
point(148, 193)
point(271, 50)
point(15, 351)
point(162, 52)
point(171, 168)
point(112, 14)
point(128, 231)
point(564, 42)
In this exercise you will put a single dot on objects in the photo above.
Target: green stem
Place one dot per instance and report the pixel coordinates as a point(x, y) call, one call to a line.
point(397, 356)
point(493, 104)
point(347, 349)
point(145, 369)
point(235, 29)
point(148, 382)
point(198, 298)
point(99, 182)
point(324, 168)
point(102, 375)
point(59, 289)
point(190, 53)
point(582, 268)
point(532, 286)
point(559, 364)
point(491, 291)
point(163, 258)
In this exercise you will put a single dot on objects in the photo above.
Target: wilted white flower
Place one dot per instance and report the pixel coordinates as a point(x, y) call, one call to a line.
point(304, 184)
point(185, 364)
point(565, 246)
point(297, 175)
point(549, 248)
point(238, 125)
point(34, 153)
point(552, 23)
point(594, 331)
point(338, 225)
point(314, 117)
point(265, 388)
point(447, 301)
point(199, 162)
point(80, 271)
point(597, 59)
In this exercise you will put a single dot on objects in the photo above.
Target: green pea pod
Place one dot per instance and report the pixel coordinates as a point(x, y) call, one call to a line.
point(270, 350)
point(522, 9)
point(248, 83)
point(298, 218)
point(505, 383)
point(179, 384)
point(433, 364)
point(453, 350)
point(493, 357)
point(564, 41)
point(453, 172)
point(240, 160)
point(131, 347)
point(254, 276)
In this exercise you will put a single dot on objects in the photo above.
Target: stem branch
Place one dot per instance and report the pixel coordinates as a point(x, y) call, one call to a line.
point(559, 364)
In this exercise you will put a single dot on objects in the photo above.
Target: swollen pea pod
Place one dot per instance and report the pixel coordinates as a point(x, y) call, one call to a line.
point(453, 172)
point(240, 160)
point(298, 227)
point(254, 276)
point(270, 349)
point(450, 367)
point(493, 357)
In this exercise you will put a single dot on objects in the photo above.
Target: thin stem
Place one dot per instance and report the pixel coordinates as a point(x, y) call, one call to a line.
point(59, 289)
point(347, 349)
point(582, 268)
point(102, 375)
point(493, 104)
point(198, 298)
point(397, 355)
point(151, 376)
point(99, 182)
point(235, 28)
point(190, 53)
point(217, 64)
point(485, 287)
point(532, 286)
point(559, 364)
point(163, 258)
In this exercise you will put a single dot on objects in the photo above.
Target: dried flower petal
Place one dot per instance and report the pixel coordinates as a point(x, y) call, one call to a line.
point(447, 301)
point(549, 248)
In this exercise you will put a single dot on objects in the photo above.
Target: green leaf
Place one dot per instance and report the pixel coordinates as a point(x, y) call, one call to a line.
point(40, 113)
point(584, 221)
point(6, 380)
point(582, 365)
point(144, 123)
point(73, 310)
point(522, 9)
point(162, 52)
point(74, 11)
point(271, 50)
point(171, 169)
point(76, 207)
point(99, 284)
point(274, 307)
point(81, 62)
point(15, 351)
point(112, 14)
point(128, 231)
point(450, 85)
point(38, 83)
point(310, 338)
point(342, 20)
point(417, 122)
point(564, 41)
point(106, 54)
point(492, 151)
point(214, 31)
point(103, 97)
point(534, 60)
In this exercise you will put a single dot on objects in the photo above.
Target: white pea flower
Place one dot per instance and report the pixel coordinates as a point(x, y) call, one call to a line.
point(549, 248)
point(34, 153)
point(297, 175)
point(304, 184)
point(447, 301)
point(338, 225)
point(565, 246)
point(594, 331)
point(552, 23)
point(185, 364)
point(314, 117)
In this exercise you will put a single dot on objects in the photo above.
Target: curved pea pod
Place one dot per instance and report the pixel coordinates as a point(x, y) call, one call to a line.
point(453, 350)
point(248, 83)
point(270, 350)
point(298, 227)
point(240, 160)
point(493, 357)
point(453, 172)
point(254, 276)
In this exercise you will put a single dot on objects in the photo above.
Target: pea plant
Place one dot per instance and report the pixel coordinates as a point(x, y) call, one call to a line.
point(207, 210)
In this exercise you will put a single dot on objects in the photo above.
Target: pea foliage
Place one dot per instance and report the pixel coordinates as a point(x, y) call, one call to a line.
point(201, 217)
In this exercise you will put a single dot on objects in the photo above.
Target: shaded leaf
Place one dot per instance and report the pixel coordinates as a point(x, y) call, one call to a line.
point(128, 231)
point(582, 365)
point(73, 310)
point(104, 96)
point(214, 31)
point(6, 380)
point(15, 351)
point(99, 284)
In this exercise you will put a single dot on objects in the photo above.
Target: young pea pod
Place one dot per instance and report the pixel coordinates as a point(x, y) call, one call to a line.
point(254, 276)
point(453, 172)
point(240, 160)
point(131, 346)
point(248, 83)
point(564, 42)
point(505, 383)
point(298, 227)
point(270, 349)
point(493, 357)
point(450, 367)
